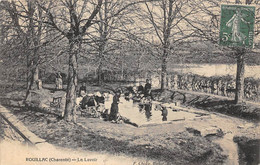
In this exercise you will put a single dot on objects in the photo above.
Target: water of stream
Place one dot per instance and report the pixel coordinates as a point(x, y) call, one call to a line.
point(206, 70)
point(145, 114)
point(230, 148)
point(150, 114)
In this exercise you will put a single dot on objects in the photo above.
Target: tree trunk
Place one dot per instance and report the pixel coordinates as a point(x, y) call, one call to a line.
point(164, 70)
point(36, 73)
point(34, 40)
point(29, 79)
point(100, 78)
point(239, 94)
point(167, 23)
point(101, 58)
point(240, 76)
point(70, 107)
point(31, 57)
point(103, 38)
point(32, 75)
point(122, 71)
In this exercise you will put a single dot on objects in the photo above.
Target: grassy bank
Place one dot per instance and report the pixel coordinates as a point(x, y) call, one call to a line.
point(211, 103)
point(249, 150)
point(98, 135)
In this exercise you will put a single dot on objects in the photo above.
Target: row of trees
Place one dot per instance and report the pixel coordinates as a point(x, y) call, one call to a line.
point(113, 33)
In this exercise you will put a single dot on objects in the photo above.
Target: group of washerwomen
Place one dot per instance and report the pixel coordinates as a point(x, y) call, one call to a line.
point(146, 91)
point(143, 95)
point(97, 99)
point(139, 93)
point(89, 100)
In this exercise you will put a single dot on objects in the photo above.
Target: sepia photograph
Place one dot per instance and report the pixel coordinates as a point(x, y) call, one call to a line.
point(129, 82)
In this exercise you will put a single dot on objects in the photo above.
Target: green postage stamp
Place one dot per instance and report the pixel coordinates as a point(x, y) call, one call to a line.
point(237, 26)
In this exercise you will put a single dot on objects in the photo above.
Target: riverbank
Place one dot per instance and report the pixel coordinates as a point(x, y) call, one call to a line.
point(212, 103)
point(174, 144)
point(164, 143)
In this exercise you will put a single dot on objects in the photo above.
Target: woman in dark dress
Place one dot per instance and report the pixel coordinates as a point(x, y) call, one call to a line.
point(114, 107)
point(164, 113)
point(82, 89)
point(147, 88)
point(59, 80)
